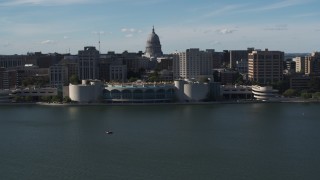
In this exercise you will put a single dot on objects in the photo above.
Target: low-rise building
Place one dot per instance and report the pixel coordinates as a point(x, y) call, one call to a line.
point(139, 93)
point(230, 92)
point(266, 93)
point(300, 82)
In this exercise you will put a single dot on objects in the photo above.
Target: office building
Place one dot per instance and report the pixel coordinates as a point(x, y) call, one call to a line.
point(265, 67)
point(300, 64)
point(312, 64)
point(89, 63)
point(193, 64)
point(58, 75)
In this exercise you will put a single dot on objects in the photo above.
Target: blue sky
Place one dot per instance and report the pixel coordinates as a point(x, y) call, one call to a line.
point(60, 25)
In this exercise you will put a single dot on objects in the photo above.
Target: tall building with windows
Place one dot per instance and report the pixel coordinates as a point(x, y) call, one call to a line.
point(312, 64)
point(300, 64)
point(153, 47)
point(58, 75)
point(265, 67)
point(89, 63)
point(193, 64)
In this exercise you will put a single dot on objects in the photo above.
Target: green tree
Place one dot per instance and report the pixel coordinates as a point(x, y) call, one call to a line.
point(74, 79)
point(28, 98)
point(56, 99)
point(45, 98)
point(316, 96)
point(132, 79)
point(290, 93)
point(306, 95)
point(66, 99)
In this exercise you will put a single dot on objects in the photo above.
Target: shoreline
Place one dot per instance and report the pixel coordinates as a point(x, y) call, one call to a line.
point(292, 100)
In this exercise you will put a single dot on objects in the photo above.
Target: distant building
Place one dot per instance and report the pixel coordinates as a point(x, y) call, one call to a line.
point(10, 61)
point(191, 91)
point(300, 64)
point(118, 73)
point(8, 78)
point(290, 66)
point(193, 64)
point(139, 93)
point(88, 63)
point(230, 92)
point(36, 92)
point(153, 47)
point(242, 66)
point(164, 63)
point(58, 75)
point(312, 64)
point(300, 82)
point(86, 92)
point(265, 93)
point(238, 55)
point(71, 62)
point(265, 67)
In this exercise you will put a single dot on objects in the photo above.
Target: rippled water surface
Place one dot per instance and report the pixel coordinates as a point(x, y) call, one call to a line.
point(221, 141)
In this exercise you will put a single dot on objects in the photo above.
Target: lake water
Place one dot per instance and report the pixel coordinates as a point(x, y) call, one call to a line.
point(220, 141)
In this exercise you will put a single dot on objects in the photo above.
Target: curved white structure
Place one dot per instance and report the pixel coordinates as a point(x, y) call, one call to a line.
point(85, 92)
point(191, 90)
point(264, 93)
point(196, 91)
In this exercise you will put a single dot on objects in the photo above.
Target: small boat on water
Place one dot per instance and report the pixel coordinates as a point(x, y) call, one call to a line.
point(109, 132)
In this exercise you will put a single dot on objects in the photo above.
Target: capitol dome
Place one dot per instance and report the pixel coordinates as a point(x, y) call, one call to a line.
point(153, 47)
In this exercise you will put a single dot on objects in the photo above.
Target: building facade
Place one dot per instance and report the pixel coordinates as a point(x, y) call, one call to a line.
point(118, 73)
point(58, 75)
point(312, 64)
point(89, 63)
point(300, 64)
point(193, 64)
point(265, 67)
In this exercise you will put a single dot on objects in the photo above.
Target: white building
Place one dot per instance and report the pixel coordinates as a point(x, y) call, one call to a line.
point(193, 64)
point(300, 64)
point(266, 93)
point(191, 91)
point(88, 91)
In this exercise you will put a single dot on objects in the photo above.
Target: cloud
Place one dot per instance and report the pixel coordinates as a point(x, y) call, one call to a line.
point(282, 4)
point(226, 31)
point(66, 37)
point(48, 42)
point(280, 27)
point(6, 44)
point(215, 43)
point(132, 30)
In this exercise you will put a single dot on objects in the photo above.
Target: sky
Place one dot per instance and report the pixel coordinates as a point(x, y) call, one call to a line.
point(62, 26)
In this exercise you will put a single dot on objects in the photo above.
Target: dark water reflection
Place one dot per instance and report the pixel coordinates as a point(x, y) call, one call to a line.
point(234, 141)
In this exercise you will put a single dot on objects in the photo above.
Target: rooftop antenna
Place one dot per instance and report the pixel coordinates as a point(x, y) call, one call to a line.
point(99, 40)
